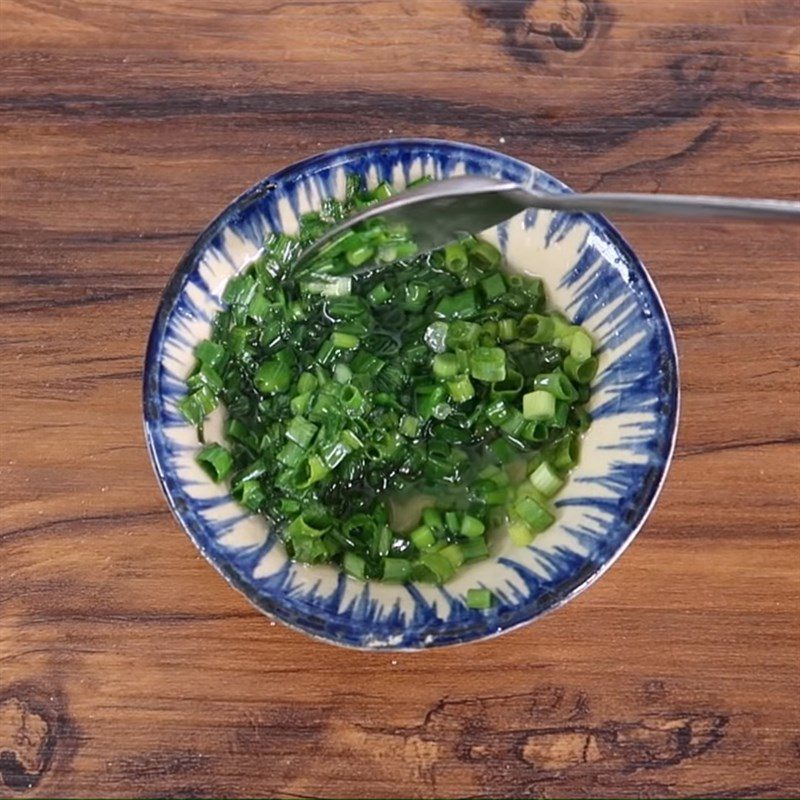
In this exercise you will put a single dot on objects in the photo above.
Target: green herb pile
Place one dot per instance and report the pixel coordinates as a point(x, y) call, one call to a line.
point(440, 375)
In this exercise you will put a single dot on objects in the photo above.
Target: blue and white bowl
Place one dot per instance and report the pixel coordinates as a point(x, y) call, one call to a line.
point(591, 273)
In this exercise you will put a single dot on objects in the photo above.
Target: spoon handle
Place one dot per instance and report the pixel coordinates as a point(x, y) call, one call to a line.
point(442, 211)
point(675, 205)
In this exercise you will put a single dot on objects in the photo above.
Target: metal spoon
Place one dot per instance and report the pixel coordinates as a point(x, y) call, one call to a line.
point(440, 212)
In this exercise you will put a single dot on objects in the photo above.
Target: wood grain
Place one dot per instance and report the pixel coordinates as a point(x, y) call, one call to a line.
point(127, 667)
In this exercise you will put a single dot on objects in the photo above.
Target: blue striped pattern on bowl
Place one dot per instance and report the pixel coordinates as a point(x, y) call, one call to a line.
point(591, 274)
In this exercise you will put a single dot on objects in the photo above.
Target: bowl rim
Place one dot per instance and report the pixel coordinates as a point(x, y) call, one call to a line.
point(271, 607)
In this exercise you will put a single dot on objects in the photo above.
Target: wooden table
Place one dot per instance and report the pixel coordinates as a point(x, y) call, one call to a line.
point(127, 667)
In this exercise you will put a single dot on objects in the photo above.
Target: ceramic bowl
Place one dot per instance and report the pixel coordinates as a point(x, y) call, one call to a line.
point(591, 274)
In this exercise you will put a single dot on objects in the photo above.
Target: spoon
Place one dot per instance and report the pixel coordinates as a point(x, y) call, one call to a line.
point(441, 212)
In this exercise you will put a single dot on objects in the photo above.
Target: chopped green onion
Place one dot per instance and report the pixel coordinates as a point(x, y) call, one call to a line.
point(513, 422)
point(205, 376)
point(433, 518)
point(455, 257)
point(537, 517)
point(354, 565)
point(581, 419)
point(471, 527)
point(239, 290)
point(409, 426)
point(366, 364)
point(382, 540)
point(566, 453)
point(306, 383)
point(562, 414)
point(334, 453)
point(479, 599)
point(445, 365)
point(309, 523)
point(580, 347)
point(198, 405)
point(341, 384)
point(307, 549)
point(382, 191)
point(301, 431)
point(439, 565)
point(396, 251)
point(581, 372)
point(485, 255)
point(462, 335)
point(503, 450)
point(535, 431)
point(344, 341)
point(235, 429)
point(493, 473)
point(311, 471)
point(428, 398)
point(350, 440)
point(463, 305)
point(454, 554)
point(210, 353)
point(259, 308)
point(546, 480)
point(496, 412)
point(346, 307)
point(216, 461)
point(475, 550)
point(461, 389)
point(538, 405)
point(493, 286)
point(252, 495)
point(558, 384)
point(416, 295)
point(520, 533)
point(342, 373)
point(488, 334)
point(507, 329)
point(299, 403)
point(396, 570)
point(273, 376)
point(453, 521)
point(488, 364)
point(291, 454)
point(563, 330)
point(359, 255)
point(379, 294)
point(442, 410)
point(422, 537)
point(536, 329)
point(510, 386)
point(353, 400)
